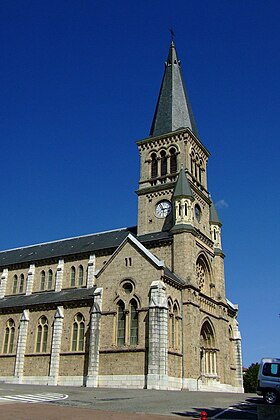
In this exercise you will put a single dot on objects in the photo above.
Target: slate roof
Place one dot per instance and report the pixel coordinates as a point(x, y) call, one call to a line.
point(155, 236)
point(23, 301)
point(182, 187)
point(173, 110)
point(64, 247)
point(214, 217)
point(77, 245)
point(173, 276)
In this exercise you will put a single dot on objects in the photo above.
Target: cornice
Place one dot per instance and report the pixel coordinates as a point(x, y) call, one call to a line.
point(183, 134)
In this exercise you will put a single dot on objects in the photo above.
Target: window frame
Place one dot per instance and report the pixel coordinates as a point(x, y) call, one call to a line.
point(9, 337)
point(78, 333)
point(42, 333)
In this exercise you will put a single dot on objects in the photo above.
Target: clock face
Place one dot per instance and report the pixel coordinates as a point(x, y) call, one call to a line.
point(163, 209)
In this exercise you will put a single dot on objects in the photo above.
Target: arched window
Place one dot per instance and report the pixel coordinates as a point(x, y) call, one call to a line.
point(42, 335)
point(197, 212)
point(15, 284)
point(173, 161)
point(80, 275)
point(193, 163)
point(121, 324)
point(21, 283)
point(50, 279)
point(73, 276)
point(78, 333)
point(170, 323)
point(231, 347)
point(133, 322)
point(154, 166)
point(43, 280)
point(208, 350)
point(203, 277)
point(163, 163)
point(175, 327)
point(200, 171)
point(9, 337)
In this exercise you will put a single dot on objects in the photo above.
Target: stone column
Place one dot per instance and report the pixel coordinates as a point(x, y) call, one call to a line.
point(56, 344)
point(59, 275)
point(91, 271)
point(158, 338)
point(21, 346)
point(238, 357)
point(94, 342)
point(3, 282)
point(30, 279)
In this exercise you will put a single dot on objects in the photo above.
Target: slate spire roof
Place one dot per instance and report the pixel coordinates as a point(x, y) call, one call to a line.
point(182, 187)
point(173, 110)
point(214, 217)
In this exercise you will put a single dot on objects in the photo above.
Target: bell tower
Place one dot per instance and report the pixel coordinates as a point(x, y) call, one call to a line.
point(173, 144)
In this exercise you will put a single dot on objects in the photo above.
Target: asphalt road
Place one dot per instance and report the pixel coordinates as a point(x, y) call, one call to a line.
point(126, 404)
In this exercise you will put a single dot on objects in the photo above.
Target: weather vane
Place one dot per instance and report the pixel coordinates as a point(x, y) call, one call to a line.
point(172, 34)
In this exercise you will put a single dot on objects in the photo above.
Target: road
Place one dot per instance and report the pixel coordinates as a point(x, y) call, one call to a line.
point(53, 403)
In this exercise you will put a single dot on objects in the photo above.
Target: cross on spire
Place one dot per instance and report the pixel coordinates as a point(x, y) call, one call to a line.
point(172, 33)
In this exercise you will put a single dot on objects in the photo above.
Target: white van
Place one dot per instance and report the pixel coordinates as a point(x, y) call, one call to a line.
point(269, 380)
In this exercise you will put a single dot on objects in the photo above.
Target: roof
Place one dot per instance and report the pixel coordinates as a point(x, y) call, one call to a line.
point(77, 245)
point(26, 301)
point(173, 276)
point(182, 187)
point(232, 305)
point(132, 239)
point(173, 110)
point(214, 217)
point(64, 247)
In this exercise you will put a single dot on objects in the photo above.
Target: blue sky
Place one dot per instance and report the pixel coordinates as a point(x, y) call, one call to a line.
point(79, 84)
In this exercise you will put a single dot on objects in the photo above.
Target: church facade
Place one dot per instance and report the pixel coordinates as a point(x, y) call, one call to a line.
point(141, 307)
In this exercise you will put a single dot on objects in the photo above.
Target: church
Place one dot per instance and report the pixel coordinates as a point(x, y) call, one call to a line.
point(140, 307)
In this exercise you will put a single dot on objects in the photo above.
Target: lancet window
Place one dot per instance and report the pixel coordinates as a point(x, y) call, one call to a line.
point(78, 333)
point(121, 324)
point(174, 325)
point(15, 284)
point(196, 166)
point(9, 337)
point(208, 350)
point(133, 322)
point(43, 280)
point(77, 276)
point(50, 279)
point(46, 281)
point(173, 161)
point(80, 275)
point(73, 276)
point(154, 166)
point(42, 335)
point(21, 283)
point(127, 320)
point(18, 284)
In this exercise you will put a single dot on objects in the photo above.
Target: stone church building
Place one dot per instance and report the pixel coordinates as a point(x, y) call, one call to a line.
point(141, 307)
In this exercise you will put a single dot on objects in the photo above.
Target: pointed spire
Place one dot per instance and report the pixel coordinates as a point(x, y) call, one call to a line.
point(214, 217)
point(173, 110)
point(182, 187)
